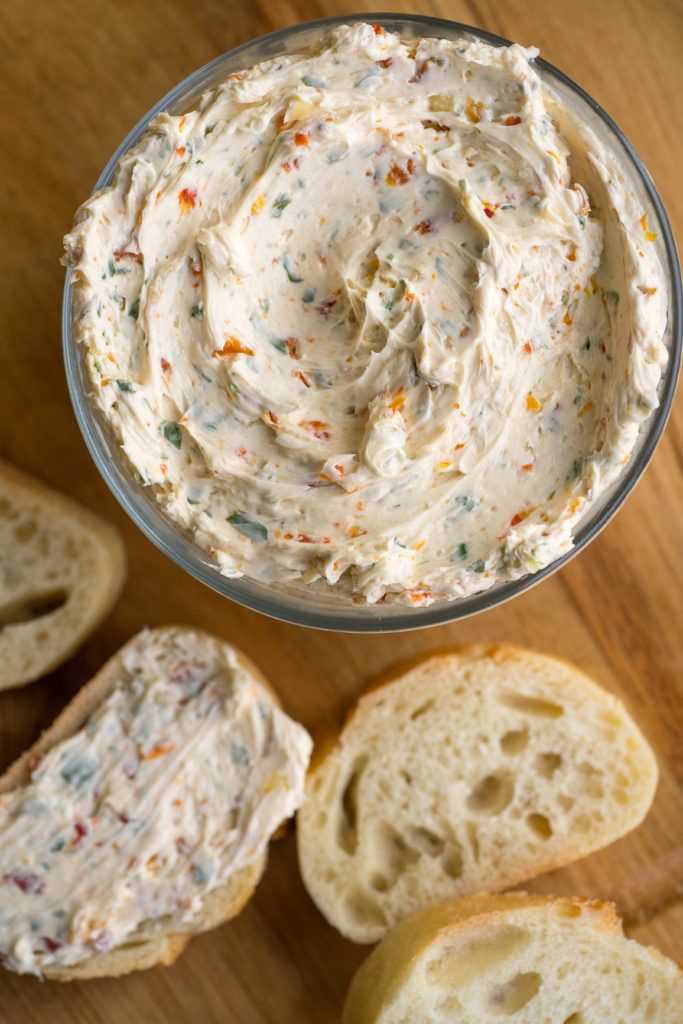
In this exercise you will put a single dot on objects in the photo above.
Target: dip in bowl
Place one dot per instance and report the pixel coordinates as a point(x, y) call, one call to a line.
point(371, 325)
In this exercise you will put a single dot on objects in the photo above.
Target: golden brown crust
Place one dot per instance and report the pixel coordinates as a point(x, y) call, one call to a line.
point(382, 976)
point(111, 580)
point(157, 943)
point(575, 845)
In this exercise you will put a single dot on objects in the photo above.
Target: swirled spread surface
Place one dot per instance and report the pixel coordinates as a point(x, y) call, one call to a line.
point(381, 317)
point(175, 782)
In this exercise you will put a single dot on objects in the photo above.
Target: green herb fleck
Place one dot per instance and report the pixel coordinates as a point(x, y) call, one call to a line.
point(612, 297)
point(197, 310)
point(172, 432)
point(279, 204)
point(462, 550)
point(199, 875)
point(134, 309)
point(477, 566)
point(292, 274)
point(251, 529)
point(125, 385)
point(239, 754)
point(77, 771)
point(313, 82)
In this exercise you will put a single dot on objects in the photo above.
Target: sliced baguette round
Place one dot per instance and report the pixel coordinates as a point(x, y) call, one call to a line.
point(160, 941)
point(468, 771)
point(62, 569)
point(527, 959)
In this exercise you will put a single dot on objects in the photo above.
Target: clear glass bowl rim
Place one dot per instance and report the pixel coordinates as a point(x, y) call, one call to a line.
point(345, 617)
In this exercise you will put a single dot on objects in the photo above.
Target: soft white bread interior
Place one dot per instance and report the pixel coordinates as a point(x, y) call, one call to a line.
point(469, 771)
point(61, 569)
point(518, 958)
point(158, 941)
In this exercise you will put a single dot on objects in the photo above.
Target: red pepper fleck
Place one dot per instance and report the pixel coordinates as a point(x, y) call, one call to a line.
point(398, 175)
point(420, 69)
point(187, 198)
point(27, 881)
point(437, 126)
point(327, 305)
point(165, 365)
point(292, 347)
point(80, 829)
point(378, 30)
point(301, 138)
point(51, 945)
point(287, 166)
point(318, 427)
point(512, 120)
point(386, 63)
point(424, 227)
point(528, 348)
point(303, 538)
point(302, 377)
point(121, 254)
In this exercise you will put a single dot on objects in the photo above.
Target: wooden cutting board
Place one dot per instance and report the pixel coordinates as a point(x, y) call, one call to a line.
point(77, 74)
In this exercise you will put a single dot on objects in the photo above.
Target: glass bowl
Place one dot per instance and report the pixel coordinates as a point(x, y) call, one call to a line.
point(315, 608)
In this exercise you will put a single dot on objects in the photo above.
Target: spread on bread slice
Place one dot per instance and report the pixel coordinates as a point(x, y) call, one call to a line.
point(144, 812)
point(469, 771)
point(514, 957)
point(61, 569)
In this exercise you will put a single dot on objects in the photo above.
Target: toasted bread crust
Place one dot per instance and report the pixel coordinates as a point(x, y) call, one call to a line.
point(329, 750)
point(155, 942)
point(387, 970)
point(109, 582)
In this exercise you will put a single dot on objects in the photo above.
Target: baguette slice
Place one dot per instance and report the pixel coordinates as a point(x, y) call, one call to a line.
point(161, 940)
point(61, 569)
point(470, 771)
point(514, 957)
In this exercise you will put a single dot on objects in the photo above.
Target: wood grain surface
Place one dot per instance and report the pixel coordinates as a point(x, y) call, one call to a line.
point(75, 76)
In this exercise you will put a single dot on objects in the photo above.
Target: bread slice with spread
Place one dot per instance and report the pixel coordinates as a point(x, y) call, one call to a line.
point(61, 569)
point(142, 815)
point(515, 957)
point(468, 771)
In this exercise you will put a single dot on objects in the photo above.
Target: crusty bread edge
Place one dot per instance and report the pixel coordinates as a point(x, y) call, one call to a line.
point(221, 904)
point(381, 976)
point(111, 541)
point(328, 743)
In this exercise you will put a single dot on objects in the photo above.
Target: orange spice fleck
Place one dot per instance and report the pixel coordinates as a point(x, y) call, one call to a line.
point(650, 235)
point(301, 138)
point(398, 400)
point(158, 751)
point(257, 205)
point(532, 403)
point(232, 347)
point(567, 320)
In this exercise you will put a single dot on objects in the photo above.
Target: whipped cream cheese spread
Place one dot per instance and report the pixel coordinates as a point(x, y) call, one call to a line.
point(381, 317)
point(176, 781)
